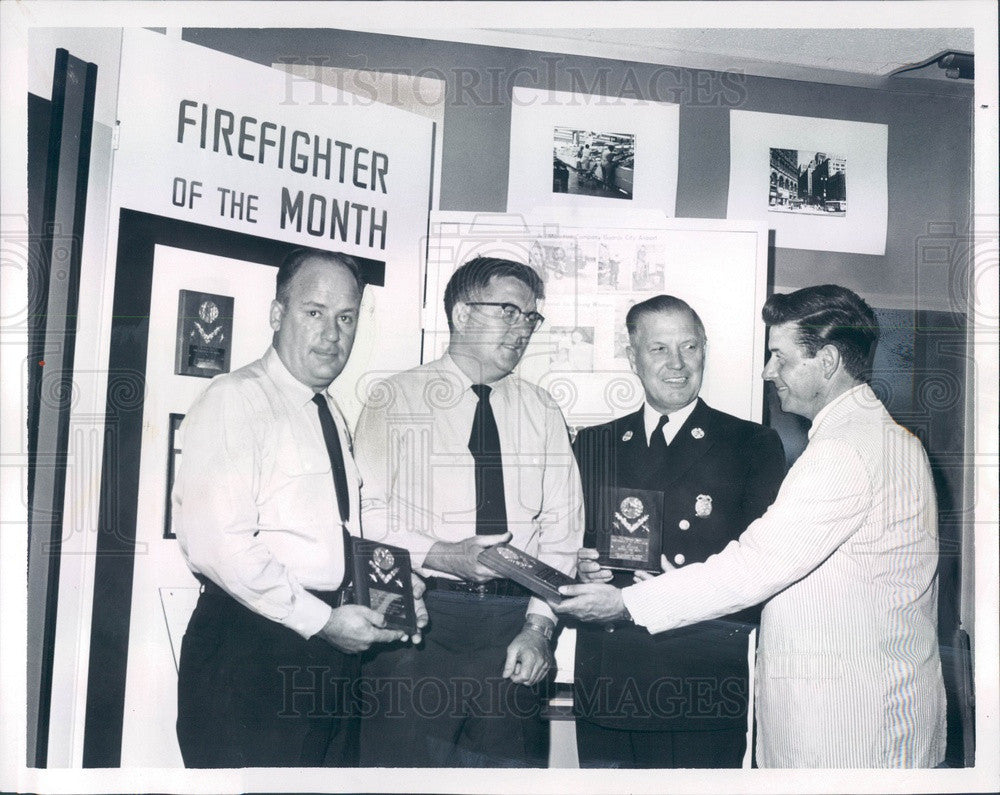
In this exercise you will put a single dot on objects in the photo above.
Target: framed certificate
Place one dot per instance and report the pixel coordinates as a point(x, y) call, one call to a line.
point(517, 565)
point(175, 445)
point(631, 535)
point(382, 582)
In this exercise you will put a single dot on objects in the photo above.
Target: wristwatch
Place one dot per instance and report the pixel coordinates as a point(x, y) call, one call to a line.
point(544, 628)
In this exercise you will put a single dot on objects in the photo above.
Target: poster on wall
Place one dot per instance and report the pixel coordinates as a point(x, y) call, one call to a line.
point(588, 151)
point(594, 270)
point(821, 184)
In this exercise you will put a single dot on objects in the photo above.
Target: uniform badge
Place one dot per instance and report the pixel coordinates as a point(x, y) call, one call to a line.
point(703, 506)
point(626, 436)
point(698, 433)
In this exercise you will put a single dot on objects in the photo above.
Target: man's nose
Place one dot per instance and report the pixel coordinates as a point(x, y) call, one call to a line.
point(768, 372)
point(523, 329)
point(523, 334)
point(331, 330)
point(673, 359)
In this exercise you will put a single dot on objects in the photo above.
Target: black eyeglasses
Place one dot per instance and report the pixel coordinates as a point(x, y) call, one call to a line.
point(512, 314)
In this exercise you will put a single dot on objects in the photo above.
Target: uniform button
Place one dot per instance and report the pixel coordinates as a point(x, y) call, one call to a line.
point(609, 628)
point(684, 524)
point(679, 559)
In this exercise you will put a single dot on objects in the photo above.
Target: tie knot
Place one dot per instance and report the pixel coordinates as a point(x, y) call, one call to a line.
point(482, 392)
point(664, 419)
point(320, 400)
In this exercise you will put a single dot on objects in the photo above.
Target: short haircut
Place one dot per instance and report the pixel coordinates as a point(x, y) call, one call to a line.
point(657, 304)
point(293, 261)
point(476, 274)
point(828, 314)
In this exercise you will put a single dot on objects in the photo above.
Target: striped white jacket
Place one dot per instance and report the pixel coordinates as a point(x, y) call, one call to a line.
point(848, 668)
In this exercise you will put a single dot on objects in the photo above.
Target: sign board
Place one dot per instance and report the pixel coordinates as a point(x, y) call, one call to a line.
point(216, 140)
point(224, 146)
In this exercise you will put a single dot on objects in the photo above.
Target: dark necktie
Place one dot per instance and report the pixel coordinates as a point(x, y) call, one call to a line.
point(657, 443)
point(336, 453)
point(333, 449)
point(484, 444)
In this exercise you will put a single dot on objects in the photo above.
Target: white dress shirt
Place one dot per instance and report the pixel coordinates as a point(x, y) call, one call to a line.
point(676, 419)
point(254, 505)
point(412, 448)
point(848, 667)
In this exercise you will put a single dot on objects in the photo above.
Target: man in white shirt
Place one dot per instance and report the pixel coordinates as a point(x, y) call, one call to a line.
point(265, 499)
point(848, 667)
point(455, 456)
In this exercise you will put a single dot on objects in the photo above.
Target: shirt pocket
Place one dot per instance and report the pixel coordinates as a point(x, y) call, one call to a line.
point(297, 452)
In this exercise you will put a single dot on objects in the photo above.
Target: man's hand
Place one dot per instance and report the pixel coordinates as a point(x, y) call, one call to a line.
point(588, 569)
point(529, 657)
point(419, 607)
point(591, 602)
point(665, 565)
point(461, 557)
point(353, 628)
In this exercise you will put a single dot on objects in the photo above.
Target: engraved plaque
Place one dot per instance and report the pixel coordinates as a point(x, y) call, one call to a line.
point(204, 334)
point(524, 569)
point(629, 536)
point(382, 582)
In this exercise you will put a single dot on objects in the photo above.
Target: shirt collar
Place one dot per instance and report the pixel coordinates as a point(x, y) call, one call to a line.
point(448, 365)
point(854, 393)
point(650, 417)
point(284, 380)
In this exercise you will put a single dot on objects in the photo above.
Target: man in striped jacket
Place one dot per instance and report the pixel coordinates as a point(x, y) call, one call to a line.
point(848, 667)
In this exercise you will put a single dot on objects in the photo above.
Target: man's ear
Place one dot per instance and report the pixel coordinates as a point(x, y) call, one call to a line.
point(460, 315)
point(277, 313)
point(829, 359)
point(630, 353)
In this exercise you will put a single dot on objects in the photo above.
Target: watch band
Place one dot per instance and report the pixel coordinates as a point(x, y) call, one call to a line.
point(545, 629)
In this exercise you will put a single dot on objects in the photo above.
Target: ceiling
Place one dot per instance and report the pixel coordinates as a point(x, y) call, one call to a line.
point(866, 57)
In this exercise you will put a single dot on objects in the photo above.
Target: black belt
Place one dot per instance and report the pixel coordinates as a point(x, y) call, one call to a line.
point(498, 587)
point(332, 598)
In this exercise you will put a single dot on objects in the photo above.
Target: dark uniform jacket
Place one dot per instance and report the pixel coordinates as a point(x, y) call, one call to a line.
point(720, 474)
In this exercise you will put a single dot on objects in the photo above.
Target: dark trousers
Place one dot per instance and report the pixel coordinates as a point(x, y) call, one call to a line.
point(252, 693)
point(444, 703)
point(599, 746)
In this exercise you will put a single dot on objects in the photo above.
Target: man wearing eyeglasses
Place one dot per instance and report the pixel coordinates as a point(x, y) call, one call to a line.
point(458, 455)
